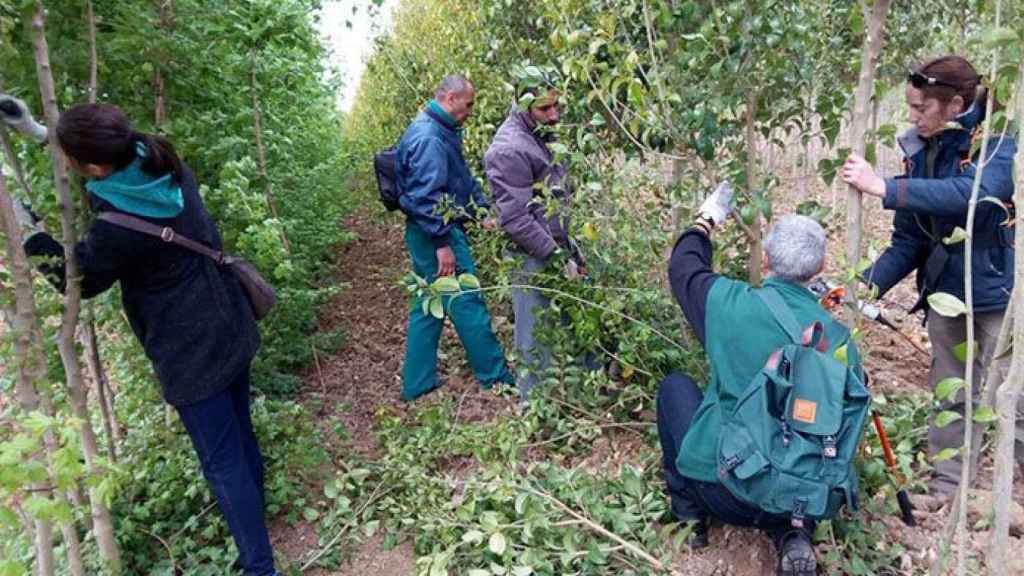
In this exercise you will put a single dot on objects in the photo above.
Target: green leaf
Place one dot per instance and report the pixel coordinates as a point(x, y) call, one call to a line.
point(841, 355)
point(946, 304)
point(946, 454)
point(473, 537)
point(960, 351)
point(984, 415)
point(467, 280)
point(497, 543)
point(957, 236)
point(446, 285)
point(946, 417)
point(947, 388)
point(437, 308)
point(522, 570)
point(331, 490)
point(478, 572)
point(310, 514)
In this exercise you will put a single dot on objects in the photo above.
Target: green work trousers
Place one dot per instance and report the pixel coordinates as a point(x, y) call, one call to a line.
point(468, 314)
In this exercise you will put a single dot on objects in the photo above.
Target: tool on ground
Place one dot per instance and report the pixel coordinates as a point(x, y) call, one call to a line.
point(832, 295)
point(902, 498)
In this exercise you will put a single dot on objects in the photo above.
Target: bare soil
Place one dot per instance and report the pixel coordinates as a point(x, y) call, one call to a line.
point(362, 380)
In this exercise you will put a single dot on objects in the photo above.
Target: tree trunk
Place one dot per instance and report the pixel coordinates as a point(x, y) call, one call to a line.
point(870, 52)
point(165, 8)
point(103, 526)
point(93, 57)
point(1009, 392)
point(99, 378)
point(965, 472)
point(754, 260)
point(261, 155)
point(44, 547)
point(28, 367)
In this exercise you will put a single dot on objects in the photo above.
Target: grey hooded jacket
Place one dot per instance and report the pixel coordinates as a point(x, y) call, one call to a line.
point(520, 166)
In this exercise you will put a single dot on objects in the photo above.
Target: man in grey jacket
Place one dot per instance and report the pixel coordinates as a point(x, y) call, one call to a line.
point(531, 192)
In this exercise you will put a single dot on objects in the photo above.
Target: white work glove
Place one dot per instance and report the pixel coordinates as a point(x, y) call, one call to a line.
point(718, 205)
point(869, 310)
point(14, 113)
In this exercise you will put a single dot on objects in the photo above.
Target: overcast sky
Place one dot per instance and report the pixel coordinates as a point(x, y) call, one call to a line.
point(351, 46)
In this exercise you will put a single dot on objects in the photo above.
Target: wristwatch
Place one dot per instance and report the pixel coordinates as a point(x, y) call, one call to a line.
point(705, 224)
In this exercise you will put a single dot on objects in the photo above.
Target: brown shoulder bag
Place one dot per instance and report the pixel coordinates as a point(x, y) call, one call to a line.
point(260, 293)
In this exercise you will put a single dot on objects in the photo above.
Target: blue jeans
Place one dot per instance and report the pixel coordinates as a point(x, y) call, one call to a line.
point(221, 431)
point(678, 400)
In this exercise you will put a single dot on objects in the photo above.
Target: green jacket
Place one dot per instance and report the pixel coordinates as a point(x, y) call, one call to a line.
point(739, 333)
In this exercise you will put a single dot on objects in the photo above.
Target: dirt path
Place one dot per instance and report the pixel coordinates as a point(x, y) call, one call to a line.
point(363, 378)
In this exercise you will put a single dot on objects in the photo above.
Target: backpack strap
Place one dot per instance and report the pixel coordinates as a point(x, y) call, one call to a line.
point(165, 233)
point(783, 315)
point(812, 337)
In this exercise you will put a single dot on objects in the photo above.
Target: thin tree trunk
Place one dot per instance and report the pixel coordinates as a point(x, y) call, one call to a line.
point(165, 8)
point(93, 57)
point(870, 52)
point(103, 526)
point(44, 547)
point(804, 171)
point(21, 323)
point(261, 155)
point(754, 260)
point(1009, 393)
point(99, 378)
point(965, 472)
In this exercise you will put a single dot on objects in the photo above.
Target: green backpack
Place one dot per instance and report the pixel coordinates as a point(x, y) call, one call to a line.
point(788, 447)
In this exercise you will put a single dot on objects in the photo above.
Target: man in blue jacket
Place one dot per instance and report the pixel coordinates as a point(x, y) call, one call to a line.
point(948, 107)
point(439, 195)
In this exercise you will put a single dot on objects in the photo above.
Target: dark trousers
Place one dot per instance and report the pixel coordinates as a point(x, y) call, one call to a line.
point(221, 431)
point(678, 400)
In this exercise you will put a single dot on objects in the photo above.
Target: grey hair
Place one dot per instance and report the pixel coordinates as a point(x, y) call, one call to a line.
point(796, 248)
point(452, 83)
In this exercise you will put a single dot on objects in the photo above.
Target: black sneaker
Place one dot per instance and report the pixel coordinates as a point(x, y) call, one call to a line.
point(796, 554)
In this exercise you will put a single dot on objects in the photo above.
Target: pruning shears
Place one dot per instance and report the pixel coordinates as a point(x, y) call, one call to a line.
point(832, 295)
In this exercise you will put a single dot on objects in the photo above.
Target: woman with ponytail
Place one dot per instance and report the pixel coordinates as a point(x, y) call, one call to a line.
point(948, 105)
point(190, 315)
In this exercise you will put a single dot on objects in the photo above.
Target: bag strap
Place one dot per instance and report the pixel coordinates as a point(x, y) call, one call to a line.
point(783, 315)
point(812, 337)
point(165, 233)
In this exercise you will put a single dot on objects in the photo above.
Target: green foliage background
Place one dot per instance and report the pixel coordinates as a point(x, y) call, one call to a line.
point(212, 57)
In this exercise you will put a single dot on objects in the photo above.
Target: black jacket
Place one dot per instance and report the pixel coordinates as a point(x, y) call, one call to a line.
point(191, 316)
